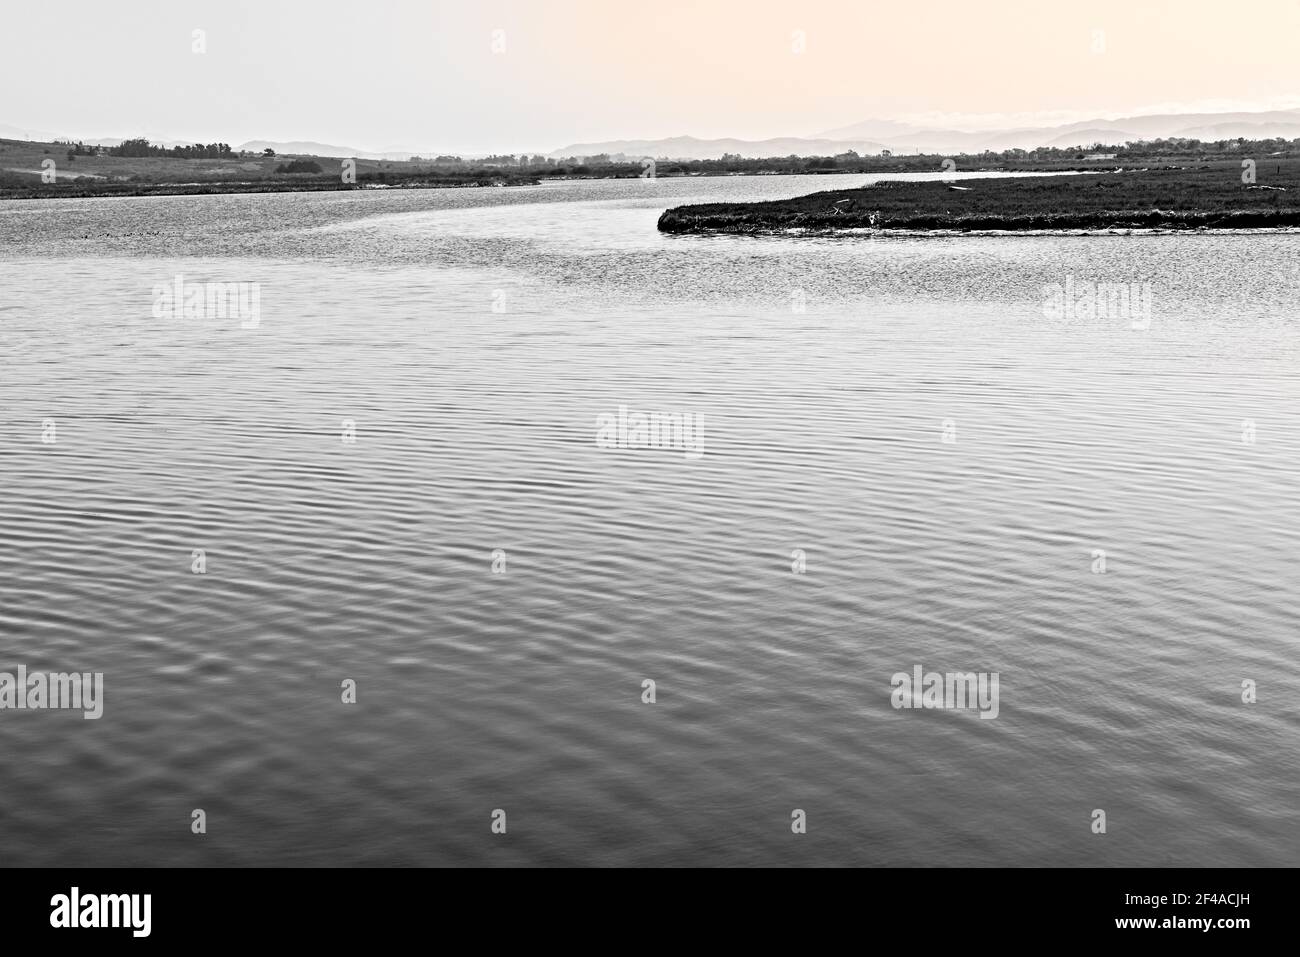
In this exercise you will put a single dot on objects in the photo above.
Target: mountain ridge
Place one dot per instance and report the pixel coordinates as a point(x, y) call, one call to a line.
point(874, 135)
point(869, 136)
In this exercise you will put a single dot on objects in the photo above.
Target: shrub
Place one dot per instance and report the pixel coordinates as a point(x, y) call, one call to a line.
point(299, 166)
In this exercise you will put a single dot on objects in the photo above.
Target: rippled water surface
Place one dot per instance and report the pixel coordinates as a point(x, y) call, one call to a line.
point(476, 431)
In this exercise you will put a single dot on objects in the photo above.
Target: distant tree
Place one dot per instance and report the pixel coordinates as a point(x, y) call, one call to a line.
point(299, 166)
point(268, 152)
point(138, 147)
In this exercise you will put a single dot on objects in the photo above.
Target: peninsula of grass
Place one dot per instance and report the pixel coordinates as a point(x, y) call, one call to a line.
point(1212, 196)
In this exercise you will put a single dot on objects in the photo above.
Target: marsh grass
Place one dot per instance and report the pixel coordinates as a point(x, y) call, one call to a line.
point(1210, 196)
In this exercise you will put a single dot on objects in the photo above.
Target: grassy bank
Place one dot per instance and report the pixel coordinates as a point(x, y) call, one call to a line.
point(81, 189)
point(23, 162)
point(1200, 182)
point(104, 174)
point(1208, 196)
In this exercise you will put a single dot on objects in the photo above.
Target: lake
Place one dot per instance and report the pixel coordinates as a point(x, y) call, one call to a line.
point(392, 479)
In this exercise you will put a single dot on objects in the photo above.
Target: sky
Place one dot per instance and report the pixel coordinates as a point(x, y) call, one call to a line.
point(435, 75)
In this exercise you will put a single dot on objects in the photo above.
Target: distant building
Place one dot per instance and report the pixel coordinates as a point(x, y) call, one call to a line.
point(1101, 156)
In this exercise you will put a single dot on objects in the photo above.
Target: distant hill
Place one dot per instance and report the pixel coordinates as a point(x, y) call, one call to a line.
point(871, 130)
point(1249, 131)
point(307, 148)
point(871, 136)
point(1088, 137)
point(867, 137)
point(1129, 129)
point(688, 147)
point(28, 135)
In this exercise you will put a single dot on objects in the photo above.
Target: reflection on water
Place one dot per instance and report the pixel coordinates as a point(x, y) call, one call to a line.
point(474, 338)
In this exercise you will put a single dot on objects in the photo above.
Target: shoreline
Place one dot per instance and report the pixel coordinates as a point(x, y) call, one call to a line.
point(1122, 202)
point(898, 232)
point(109, 189)
point(138, 190)
point(1289, 225)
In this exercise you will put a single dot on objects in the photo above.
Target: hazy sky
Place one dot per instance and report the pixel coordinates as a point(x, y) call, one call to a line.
point(404, 74)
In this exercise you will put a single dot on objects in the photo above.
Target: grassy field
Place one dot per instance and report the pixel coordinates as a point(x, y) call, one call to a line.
point(104, 175)
point(1181, 184)
point(1207, 196)
point(20, 161)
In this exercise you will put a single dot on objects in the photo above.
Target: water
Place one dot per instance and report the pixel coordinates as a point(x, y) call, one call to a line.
point(521, 691)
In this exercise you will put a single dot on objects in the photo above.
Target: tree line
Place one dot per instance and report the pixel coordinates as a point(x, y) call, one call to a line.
point(141, 147)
